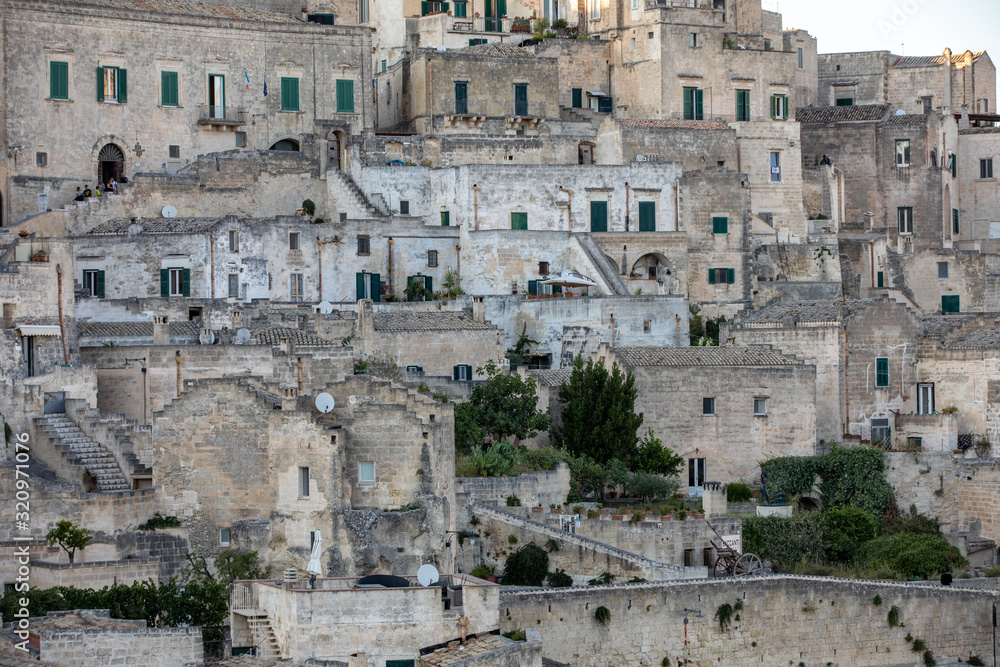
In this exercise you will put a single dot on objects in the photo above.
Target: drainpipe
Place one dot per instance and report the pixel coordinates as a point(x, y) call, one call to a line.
point(178, 358)
point(430, 92)
point(475, 204)
point(319, 262)
point(677, 327)
point(626, 206)
point(458, 265)
point(299, 364)
point(62, 324)
point(847, 384)
point(569, 208)
point(211, 245)
point(871, 250)
point(390, 265)
point(612, 330)
point(677, 209)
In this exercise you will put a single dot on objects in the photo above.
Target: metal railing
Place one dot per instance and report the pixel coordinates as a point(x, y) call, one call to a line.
point(220, 114)
point(6, 255)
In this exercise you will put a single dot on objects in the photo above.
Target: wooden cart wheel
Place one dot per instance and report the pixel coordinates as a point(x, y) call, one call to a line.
point(749, 565)
point(721, 568)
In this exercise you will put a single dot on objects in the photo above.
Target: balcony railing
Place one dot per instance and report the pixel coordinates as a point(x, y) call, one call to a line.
point(218, 114)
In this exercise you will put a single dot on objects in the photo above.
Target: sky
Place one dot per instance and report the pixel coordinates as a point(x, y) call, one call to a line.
point(904, 27)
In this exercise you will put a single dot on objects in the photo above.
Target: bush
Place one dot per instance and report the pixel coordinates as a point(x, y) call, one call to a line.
point(516, 635)
point(160, 521)
point(648, 486)
point(845, 531)
point(497, 460)
point(603, 615)
point(785, 541)
point(528, 566)
point(559, 579)
point(541, 458)
point(738, 492)
point(913, 556)
point(309, 207)
point(483, 570)
point(513, 501)
point(603, 580)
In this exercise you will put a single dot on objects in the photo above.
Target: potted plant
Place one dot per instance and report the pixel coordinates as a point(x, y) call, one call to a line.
point(23, 233)
point(39, 256)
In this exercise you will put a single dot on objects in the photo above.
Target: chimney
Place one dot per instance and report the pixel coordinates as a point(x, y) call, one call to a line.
point(286, 346)
point(289, 399)
point(946, 70)
point(714, 500)
point(479, 309)
point(358, 660)
point(161, 330)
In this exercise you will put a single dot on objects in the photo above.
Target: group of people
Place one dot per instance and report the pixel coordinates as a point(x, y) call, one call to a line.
point(110, 186)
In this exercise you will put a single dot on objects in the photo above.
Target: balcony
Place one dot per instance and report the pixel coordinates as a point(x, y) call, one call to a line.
point(226, 116)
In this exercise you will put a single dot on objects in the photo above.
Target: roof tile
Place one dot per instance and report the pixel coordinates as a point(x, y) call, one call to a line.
point(423, 321)
point(729, 355)
point(852, 114)
point(688, 124)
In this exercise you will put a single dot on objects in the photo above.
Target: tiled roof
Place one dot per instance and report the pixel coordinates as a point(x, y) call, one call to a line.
point(477, 648)
point(729, 355)
point(274, 335)
point(799, 311)
point(930, 61)
point(979, 338)
point(906, 119)
point(851, 114)
point(499, 51)
point(938, 326)
point(157, 225)
point(980, 130)
point(134, 329)
point(688, 124)
point(553, 377)
point(186, 8)
point(422, 321)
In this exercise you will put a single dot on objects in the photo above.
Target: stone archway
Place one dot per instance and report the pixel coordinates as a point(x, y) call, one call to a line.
point(285, 145)
point(110, 164)
point(651, 265)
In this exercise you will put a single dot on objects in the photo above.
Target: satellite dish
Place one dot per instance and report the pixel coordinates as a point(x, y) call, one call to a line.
point(243, 336)
point(427, 575)
point(899, 112)
point(207, 337)
point(324, 402)
point(169, 211)
point(325, 307)
point(352, 399)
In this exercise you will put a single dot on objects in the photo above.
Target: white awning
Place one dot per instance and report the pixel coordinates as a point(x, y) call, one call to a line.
point(596, 93)
point(39, 330)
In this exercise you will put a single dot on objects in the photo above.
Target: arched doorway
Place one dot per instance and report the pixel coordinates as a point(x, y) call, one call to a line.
point(286, 145)
point(334, 152)
point(585, 153)
point(651, 266)
point(110, 164)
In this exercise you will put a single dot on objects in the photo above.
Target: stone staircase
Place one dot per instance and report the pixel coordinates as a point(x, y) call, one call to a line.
point(609, 274)
point(351, 198)
point(79, 449)
point(264, 639)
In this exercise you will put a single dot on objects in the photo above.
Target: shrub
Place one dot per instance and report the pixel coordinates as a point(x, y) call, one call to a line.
point(513, 501)
point(991, 571)
point(483, 570)
point(738, 492)
point(516, 635)
point(976, 661)
point(724, 614)
point(559, 579)
point(929, 660)
point(845, 531)
point(527, 566)
point(918, 646)
point(496, 460)
point(551, 545)
point(913, 556)
point(512, 539)
point(649, 486)
point(309, 207)
point(604, 579)
point(541, 458)
point(160, 521)
point(877, 601)
point(785, 541)
point(893, 616)
point(603, 615)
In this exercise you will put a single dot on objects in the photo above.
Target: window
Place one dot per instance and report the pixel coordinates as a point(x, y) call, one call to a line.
point(925, 398)
point(461, 97)
point(295, 287)
point(93, 283)
point(775, 166)
point(432, 258)
point(462, 373)
point(881, 433)
point(759, 406)
point(635, 4)
point(720, 225)
point(369, 286)
point(950, 304)
point(577, 98)
point(175, 282)
point(324, 19)
point(366, 472)
point(880, 279)
point(41, 159)
point(798, 57)
point(767, 45)
point(845, 101)
point(362, 12)
point(384, 62)
point(234, 240)
point(520, 99)
point(693, 104)
point(708, 407)
point(543, 268)
point(293, 241)
point(223, 537)
point(476, 41)
point(445, 218)
point(902, 152)
point(303, 482)
point(594, 7)
point(174, 152)
point(234, 285)
point(404, 207)
point(779, 107)
point(290, 94)
point(112, 85)
point(953, 165)
point(364, 245)
point(241, 139)
point(345, 96)
point(904, 219)
point(461, 11)
point(954, 221)
point(598, 216)
point(693, 40)
point(518, 220)
point(647, 326)
point(647, 216)
point(632, 44)
point(742, 105)
point(169, 91)
point(721, 276)
point(649, 35)
point(986, 168)
point(882, 372)
point(928, 104)
point(58, 80)
point(216, 96)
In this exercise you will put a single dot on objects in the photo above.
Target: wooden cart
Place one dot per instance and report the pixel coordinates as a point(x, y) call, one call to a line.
point(732, 563)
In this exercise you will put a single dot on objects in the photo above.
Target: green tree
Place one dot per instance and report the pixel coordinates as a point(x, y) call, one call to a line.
point(648, 486)
point(506, 406)
point(528, 566)
point(518, 355)
point(652, 457)
point(598, 414)
point(236, 566)
point(469, 432)
point(70, 537)
point(845, 531)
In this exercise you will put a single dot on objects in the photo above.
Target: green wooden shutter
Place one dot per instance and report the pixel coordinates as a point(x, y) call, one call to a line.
point(501, 8)
point(711, 276)
point(557, 289)
point(169, 95)
point(742, 105)
point(454, 373)
point(461, 97)
point(532, 287)
point(100, 284)
point(445, 218)
point(444, 7)
point(518, 220)
point(688, 103)
point(881, 279)
point(423, 7)
point(699, 112)
point(164, 282)
point(186, 282)
point(954, 221)
point(289, 93)
point(720, 225)
point(647, 216)
point(730, 276)
point(578, 98)
point(376, 287)
point(774, 106)
point(460, 10)
point(58, 80)
point(882, 372)
point(598, 216)
point(950, 304)
point(359, 281)
point(520, 99)
point(100, 84)
point(122, 80)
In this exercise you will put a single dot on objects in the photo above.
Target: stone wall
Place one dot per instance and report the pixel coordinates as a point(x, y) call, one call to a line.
point(94, 574)
point(861, 76)
point(676, 542)
point(783, 620)
point(544, 488)
point(145, 647)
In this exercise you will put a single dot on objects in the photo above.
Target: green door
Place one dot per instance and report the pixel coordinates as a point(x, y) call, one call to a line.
point(647, 216)
point(399, 663)
point(598, 216)
point(949, 304)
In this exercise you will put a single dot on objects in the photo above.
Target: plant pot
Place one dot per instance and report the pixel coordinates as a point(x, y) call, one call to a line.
point(492, 578)
point(23, 234)
point(39, 258)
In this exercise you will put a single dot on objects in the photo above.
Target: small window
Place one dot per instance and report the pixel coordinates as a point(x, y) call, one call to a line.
point(759, 407)
point(520, 99)
point(902, 152)
point(293, 241)
point(954, 222)
point(942, 270)
point(58, 80)
point(882, 372)
point(223, 537)
point(234, 285)
point(904, 219)
point(404, 207)
point(775, 167)
point(461, 97)
point(169, 92)
point(632, 44)
point(234, 240)
point(928, 103)
point(295, 287)
point(647, 326)
point(693, 40)
point(432, 258)
point(543, 268)
point(950, 303)
point(708, 407)
point(174, 152)
point(914, 443)
point(366, 472)
point(93, 283)
point(779, 107)
point(845, 101)
point(383, 62)
point(694, 104)
point(41, 159)
point(986, 168)
point(635, 4)
point(649, 35)
point(176, 278)
point(345, 96)
point(303, 482)
point(241, 139)
point(364, 245)
point(577, 98)
point(721, 276)
point(290, 93)
point(445, 218)
point(111, 85)
point(518, 220)
point(798, 57)
point(720, 225)
point(767, 45)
